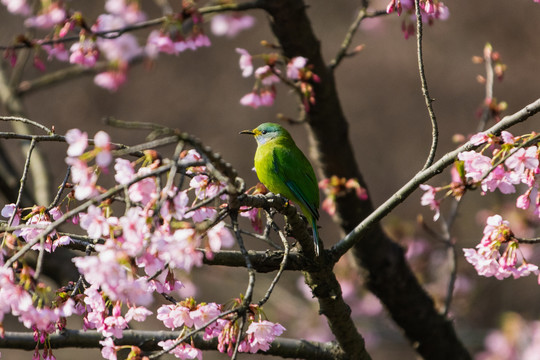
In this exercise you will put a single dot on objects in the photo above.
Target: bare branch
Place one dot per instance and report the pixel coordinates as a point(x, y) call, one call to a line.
point(425, 90)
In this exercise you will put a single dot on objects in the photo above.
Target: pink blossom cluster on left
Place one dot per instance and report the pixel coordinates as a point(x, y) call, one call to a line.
point(119, 48)
point(138, 244)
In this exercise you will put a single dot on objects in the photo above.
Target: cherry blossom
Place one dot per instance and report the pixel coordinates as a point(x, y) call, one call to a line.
point(78, 142)
point(84, 53)
point(261, 334)
point(230, 24)
point(429, 199)
point(124, 171)
point(246, 62)
point(48, 17)
point(219, 236)
point(294, 67)
point(251, 99)
point(19, 7)
point(182, 351)
point(94, 222)
point(108, 351)
point(523, 159)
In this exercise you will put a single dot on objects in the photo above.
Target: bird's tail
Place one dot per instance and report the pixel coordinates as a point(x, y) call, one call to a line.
point(315, 235)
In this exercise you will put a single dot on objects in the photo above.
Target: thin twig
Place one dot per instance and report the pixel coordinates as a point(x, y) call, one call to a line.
point(61, 189)
point(528, 240)
point(453, 255)
point(27, 121)
point(251, 272)
point(484, 118)
point(425, 90)
point(281, 268)
point(23, 180)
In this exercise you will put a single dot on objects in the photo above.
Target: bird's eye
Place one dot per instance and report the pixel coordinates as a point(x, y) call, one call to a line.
point(263, 132)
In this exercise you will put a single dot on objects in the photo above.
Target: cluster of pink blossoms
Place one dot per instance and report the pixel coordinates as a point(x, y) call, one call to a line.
point(487, 258)
point(513, 164)
point(266, 76)
point(134, 254)
point(431, 10)
point(101, 41)
point(187, 314)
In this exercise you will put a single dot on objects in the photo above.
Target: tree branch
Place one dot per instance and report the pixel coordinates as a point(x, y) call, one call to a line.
point(387, 274)
point(425, 89)
point(147, 341)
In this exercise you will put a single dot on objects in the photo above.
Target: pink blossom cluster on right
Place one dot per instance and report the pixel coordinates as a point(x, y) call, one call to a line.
point(504, 163)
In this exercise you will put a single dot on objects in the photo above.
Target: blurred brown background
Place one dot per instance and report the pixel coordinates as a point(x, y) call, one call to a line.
point(199, 92)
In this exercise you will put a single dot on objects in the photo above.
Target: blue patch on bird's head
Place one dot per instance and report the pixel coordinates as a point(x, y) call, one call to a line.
point(268, 131)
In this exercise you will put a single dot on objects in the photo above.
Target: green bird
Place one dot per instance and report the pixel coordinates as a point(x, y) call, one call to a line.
point(284, 169)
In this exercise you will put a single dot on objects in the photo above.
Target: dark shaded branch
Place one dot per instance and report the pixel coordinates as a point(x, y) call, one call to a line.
point(387, 274)
point(147, 341)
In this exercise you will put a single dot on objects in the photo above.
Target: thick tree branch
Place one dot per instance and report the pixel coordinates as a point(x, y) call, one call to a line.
point(387, 272)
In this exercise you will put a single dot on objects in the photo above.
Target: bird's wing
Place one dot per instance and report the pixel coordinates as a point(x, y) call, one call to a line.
point(294, 169)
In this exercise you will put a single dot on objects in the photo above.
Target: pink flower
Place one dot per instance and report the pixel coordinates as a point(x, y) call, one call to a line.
point(179, 250)
point(159, 42)
point(19, 7)
point(254, 215)
point(261, 334)
point(219, 236)
point(57, 51)
point(251, 99)
point(202, 214)
point(182, 351)
point(48, 17)
point(524, 201)
point(84, 178)
point(476, 165)
point(102, 143)
point(124, 171)
point(230, 25)
point(94, 222)
point(113, 325)
point(138, 313)
point(246, 64)
point(123, 48)
point(429, 199)
point(266, 75)
point(174, 316)
point(479, 139)
point(77, 140)
point(84, 53)
point(7, 212)
point(523, 159)
point(267, 97)
point(204, 313)
point(496, 229)
point(145, 190)
point(294, 66)
point(500, 179)
point(108, 351)
point(128, 10)
point(507, 137)
point(485, 265)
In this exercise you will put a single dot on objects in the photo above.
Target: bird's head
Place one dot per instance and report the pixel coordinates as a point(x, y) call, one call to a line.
point(266, 132)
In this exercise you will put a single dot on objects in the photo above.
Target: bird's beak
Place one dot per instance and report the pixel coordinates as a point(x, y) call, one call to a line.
point(247, 132)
